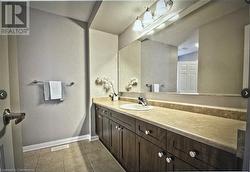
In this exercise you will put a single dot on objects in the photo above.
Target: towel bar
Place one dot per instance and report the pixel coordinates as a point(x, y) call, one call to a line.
point(41, 82)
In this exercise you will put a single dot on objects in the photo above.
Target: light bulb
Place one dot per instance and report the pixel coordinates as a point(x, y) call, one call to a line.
point(161, 8)
point(137, 25)
point(147, 18)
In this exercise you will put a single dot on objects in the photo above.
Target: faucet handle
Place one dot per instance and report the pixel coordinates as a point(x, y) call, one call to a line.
point(140, 98)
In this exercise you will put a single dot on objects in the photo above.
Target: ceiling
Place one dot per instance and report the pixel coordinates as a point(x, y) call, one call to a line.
point(79, 10)
point(190, 45)
point(115, 16)
point(181, 30)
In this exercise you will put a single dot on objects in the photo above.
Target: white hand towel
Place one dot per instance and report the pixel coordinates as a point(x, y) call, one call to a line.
point(46, 91)
point(156, 88)
point(55, 88)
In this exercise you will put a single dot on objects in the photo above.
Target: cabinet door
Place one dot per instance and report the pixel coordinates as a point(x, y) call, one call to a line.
point(127, 145)
point(147, 155)
point(115, 139)
point(106, 131)
point(99, 125)
point(175, 164)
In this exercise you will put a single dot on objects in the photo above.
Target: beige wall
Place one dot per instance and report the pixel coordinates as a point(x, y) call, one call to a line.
point(221, 54)
point(158, 65)
point(130, 66)
point(103, 62)
point(54, 50)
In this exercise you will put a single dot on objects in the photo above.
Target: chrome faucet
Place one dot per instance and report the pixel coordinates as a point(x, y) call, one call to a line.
point(143, 101)
point(113, 95)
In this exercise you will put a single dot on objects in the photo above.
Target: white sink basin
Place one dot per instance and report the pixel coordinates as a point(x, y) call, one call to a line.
point(137, 107)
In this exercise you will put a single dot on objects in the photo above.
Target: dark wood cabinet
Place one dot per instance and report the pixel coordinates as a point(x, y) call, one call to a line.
point(106, 131)
point(115, 139)
point(149, 156)
point(143, 147)
point(152, 133)
point(127, 151)
point(98, 126)
point(102, 125)
point(200, 155)
point(176, 164)
point(122, 146)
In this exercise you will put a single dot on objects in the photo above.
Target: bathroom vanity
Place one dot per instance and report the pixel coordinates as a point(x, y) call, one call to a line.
point(147, 141)
point(196, 59)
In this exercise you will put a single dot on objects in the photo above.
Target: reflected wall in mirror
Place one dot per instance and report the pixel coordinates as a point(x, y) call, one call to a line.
point(202, 52)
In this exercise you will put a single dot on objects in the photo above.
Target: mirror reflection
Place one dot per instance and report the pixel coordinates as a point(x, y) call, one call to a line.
point(201, 53)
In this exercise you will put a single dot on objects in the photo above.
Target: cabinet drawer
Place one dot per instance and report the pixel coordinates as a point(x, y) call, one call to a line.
point(200, 155)
point(101, 110)
point(152, 133)
point(123, 120)
point(175, 164)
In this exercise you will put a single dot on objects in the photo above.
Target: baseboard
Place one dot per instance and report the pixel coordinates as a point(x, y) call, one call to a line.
point(57, 142)
point(93, 138)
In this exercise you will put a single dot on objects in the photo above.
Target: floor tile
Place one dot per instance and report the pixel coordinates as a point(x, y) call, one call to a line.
point(31, 154)
point(72, 161)
point(30, 163)
point(49, 158)
point(92, 146)
point(81, 156)
point(50, 166)
point(30, 159)
point(78, 166)
point(99, 155)
point(106, 165)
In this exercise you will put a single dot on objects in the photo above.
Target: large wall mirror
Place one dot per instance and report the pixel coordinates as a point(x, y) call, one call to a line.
point(200, 53)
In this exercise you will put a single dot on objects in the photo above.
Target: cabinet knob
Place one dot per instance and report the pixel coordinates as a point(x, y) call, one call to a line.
point(161, 154)
point(117, 127)
point(168, 159)
point(192, 154)
point(99, 116)
point(147, 132)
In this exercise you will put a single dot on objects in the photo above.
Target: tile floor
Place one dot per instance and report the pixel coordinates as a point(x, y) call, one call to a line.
point(81, 156)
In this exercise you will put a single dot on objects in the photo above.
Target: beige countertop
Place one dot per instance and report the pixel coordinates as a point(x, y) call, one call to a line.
point(215, 131)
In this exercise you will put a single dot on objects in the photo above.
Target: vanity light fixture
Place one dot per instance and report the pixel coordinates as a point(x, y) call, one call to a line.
point(170, 4)
point(161, 26)
point(137, 25)
point(148, 17)
point(151, 32)
point(174, 17)
point(161, 8)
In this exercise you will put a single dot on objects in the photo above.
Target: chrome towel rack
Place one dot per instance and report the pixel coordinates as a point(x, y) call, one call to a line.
point(42, 82)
